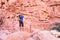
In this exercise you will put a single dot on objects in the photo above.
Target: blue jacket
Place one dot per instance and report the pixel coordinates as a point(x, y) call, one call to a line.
point(21, 17)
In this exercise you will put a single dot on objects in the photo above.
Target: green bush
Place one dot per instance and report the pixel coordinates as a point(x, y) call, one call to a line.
point(56, 28)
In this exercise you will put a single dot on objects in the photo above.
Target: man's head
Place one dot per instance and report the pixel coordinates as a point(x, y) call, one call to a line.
point(19, 13)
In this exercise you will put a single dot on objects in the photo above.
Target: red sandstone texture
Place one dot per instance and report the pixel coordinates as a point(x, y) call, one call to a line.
point(38, 14)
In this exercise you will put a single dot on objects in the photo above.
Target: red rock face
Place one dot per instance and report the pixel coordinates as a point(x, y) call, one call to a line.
point(41, 14)
point(38, 14)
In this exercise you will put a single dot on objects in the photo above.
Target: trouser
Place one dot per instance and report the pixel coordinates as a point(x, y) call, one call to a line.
point(21, 24)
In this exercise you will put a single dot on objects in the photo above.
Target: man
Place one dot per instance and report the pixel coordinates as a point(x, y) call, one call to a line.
point(21, 24)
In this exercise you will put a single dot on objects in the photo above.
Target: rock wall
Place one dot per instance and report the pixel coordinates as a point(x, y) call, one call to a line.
point(40, 14)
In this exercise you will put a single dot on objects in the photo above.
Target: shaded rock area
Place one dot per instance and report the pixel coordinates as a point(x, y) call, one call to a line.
point(38, 14)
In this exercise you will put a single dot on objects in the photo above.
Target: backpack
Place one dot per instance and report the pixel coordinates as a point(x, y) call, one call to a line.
point(19, 17)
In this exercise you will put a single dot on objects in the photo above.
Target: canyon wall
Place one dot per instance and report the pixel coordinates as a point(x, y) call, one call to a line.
point(40, 14)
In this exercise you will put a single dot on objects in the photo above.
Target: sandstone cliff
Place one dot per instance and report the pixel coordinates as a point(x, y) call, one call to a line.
point(41, 14)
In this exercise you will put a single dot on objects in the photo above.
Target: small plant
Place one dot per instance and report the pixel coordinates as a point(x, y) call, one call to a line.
point(57, 28)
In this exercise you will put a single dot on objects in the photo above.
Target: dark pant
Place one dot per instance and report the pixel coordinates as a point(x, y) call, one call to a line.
point(21, 24)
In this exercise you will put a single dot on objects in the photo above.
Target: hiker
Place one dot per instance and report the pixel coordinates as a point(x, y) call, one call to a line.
point(21, 24)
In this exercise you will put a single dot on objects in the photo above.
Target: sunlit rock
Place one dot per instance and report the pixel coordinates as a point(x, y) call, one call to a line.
point(38, 14)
